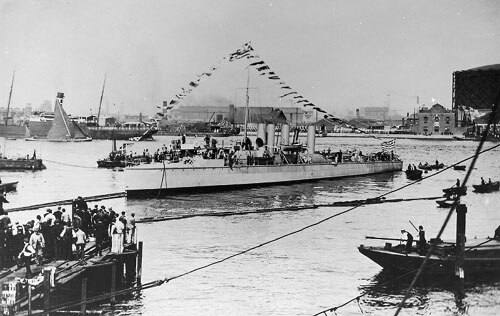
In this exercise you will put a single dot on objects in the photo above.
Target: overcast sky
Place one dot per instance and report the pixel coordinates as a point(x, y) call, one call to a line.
point(338, 54)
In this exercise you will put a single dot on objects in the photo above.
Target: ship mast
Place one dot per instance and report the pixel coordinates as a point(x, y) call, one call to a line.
point(100, 101)
point(246, 106)
point(10, 97)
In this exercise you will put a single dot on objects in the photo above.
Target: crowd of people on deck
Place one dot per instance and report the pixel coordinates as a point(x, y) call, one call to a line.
point(358, 156)
point(63, 235)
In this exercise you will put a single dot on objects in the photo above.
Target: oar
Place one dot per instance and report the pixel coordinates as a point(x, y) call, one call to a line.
point(384, 238)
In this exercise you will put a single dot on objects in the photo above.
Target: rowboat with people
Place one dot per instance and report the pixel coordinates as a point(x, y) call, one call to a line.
point(463, 256)
point(484, 258)
point(486, 187)
point(455, 191)
point(428, 167)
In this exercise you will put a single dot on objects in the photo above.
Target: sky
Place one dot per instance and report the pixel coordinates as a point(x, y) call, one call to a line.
point(340, 55)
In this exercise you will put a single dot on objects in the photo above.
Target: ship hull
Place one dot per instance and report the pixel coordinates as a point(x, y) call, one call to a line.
point(119, 133)
point(484, 259)
point(21, 164)
point(154, 179)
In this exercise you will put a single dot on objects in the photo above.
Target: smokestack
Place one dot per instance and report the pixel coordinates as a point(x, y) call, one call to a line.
point(270, 136)
point(311, 130)
point(285, 134)
point(261, 131)
point(230, 114)
point(357, 113)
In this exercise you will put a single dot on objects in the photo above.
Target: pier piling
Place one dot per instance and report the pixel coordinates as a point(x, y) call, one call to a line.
point(29, 299)
point(113, 282)
point(460, 242)
point(83, 307)
point(46, 291)
point(139, 264)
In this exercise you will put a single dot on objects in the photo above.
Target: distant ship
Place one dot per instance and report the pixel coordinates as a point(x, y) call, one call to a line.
point(62, 128)
point(21, 164)
point(137, 132)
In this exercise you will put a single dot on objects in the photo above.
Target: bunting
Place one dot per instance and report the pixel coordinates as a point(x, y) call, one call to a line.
point(289, 93)
point(247, 51)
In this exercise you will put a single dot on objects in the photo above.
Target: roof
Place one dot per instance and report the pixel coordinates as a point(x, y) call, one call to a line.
point(436, 108)
point(483, 68)
point(266, 115)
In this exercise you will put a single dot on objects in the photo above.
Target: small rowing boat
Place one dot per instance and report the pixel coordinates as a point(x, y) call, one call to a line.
point(414, 174)
point(486, 187)
point(455, 191)
point(8, 186)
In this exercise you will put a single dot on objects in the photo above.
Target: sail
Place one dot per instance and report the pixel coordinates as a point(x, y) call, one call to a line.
point(62, 127)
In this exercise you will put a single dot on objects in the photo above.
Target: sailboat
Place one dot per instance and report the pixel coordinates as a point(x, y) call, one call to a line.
point(63, 129)
point(20, 163)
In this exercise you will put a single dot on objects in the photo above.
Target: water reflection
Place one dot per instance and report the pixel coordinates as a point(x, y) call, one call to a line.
point(387, 289)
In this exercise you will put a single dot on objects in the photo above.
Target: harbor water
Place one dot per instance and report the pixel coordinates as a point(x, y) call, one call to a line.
point(302, 274)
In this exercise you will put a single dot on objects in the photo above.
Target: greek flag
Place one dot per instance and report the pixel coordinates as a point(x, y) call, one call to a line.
point(388, 145)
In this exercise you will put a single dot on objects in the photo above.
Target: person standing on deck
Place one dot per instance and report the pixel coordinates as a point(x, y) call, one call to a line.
point(81, 240)
point(131, 228)
point(100, 235)
point(3, 248)
point(55, 232)
point(65, 217)
point(409, 240)
point(25, 256)
point(38, 243)
point(66, 242)
point(2, 201)
point(422, 242)
point(117, 236)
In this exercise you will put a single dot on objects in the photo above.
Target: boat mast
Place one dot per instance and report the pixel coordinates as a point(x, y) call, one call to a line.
point(10, 97)
point(247, 102)
point(100, 101)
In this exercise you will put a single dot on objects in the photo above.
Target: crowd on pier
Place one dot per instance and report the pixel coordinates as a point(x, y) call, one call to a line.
point(60, 235)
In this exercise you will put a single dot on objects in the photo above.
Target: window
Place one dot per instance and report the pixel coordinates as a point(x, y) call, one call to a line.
point(436, 118)
point(426, 119)
point(436, 129)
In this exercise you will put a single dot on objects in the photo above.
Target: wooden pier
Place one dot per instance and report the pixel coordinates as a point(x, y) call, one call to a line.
point(56, 283)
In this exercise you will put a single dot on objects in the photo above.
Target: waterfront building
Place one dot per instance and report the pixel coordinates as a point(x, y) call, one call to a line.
point(436, 120)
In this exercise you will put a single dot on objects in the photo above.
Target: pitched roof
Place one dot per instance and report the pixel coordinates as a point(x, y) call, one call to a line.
point(266, 115)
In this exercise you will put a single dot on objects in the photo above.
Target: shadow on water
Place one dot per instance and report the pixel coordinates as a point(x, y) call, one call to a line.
point(387, 289)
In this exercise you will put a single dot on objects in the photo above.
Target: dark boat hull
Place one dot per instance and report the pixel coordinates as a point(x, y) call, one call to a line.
point(21, 164)
point(120, 133)
point(111, 164)
point(484, 259)
point(455, 190)
point(414, 174)
point(445, 203)
point(487, 187)
point(8, 186)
